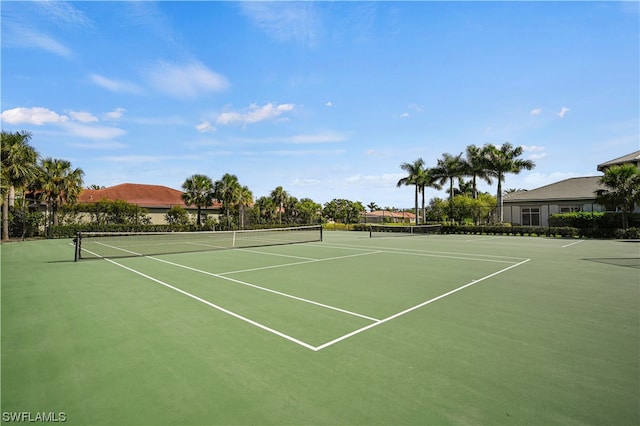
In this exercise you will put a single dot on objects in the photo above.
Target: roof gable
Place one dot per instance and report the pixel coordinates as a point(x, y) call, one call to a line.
point(633, 158)
point(579, 188)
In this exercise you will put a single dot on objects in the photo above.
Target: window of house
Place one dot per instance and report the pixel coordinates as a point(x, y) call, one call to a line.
point(531, 216)
point(570, 209)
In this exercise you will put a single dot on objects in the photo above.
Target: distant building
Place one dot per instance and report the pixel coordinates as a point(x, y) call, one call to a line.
point(156, 199)
point(386, 216)
point(533, 208)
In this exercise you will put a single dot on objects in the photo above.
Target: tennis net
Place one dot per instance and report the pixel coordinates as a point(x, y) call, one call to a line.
point(403, 230)
point(129, 244)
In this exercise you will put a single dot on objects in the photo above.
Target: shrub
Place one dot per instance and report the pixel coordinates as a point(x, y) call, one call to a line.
point(628, 234)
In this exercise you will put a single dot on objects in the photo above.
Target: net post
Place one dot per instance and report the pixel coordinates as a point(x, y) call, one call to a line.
point(321, 233)
point(370, 231)
point(78, 247)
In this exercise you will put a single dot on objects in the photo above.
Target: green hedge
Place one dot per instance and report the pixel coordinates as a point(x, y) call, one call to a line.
point(553, 231)
point(69, 231)
point(596, 224)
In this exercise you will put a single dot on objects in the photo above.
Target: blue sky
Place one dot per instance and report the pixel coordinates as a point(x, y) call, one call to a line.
point(326, 99)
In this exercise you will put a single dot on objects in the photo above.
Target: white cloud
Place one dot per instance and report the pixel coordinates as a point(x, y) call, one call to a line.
point(83, 117)
point(404, 115)
point(327, 137)
point(373, 181)
point(305, 182)
point(563, 112)
point(376, 153)
point(27, 37)
point(115, 114)
point(329, 104)
point(538, 152)
point(285, 21)
point(205, 126)
point(538, 156)
point(93, 132)
point(64, 13)
point(536, 111)
point(36, 116)
point(115, 85)
point(255, 114)
point(40, 116)
point(185, 81)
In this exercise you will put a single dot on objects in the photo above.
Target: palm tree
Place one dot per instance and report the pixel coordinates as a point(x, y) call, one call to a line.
point(449, 167)
point(265, 209)
point(227, 190)
point(18, 169)
point(198, 191)
point(503, 160)
point(279, 197)
point(427, 179)
point(475, 166)
point(245, 199)
point(415, 172)
point(59, 184)
point(623, 189)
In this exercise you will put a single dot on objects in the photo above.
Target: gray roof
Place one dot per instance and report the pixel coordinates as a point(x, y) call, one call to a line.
point(579, 188)
point(633, 158)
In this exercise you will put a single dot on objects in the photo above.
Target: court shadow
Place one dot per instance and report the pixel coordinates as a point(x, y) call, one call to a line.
point(629, 262)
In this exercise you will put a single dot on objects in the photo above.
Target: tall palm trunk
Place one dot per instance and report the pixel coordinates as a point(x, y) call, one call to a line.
point(5, 217)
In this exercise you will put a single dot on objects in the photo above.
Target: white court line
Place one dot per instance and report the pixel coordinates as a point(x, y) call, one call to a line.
point(570, 244)
point(298, 341)
point(115, 248)
point(406, 311)
point(279, 293)
point(220, 308)
point(430, 253)
point(260, 268)
point(276, 254)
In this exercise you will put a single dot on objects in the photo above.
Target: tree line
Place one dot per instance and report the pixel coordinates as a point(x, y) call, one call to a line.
point(485, 163)
point(29, 181)
point(237, 203)
point(49, 181)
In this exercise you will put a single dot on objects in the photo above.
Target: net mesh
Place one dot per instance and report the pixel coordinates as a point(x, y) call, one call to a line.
point(130, 244)
point(403, 230)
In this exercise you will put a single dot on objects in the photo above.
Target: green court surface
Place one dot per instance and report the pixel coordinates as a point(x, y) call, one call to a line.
point(430, 329)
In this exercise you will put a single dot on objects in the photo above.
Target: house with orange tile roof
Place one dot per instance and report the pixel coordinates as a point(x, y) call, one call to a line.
point(156, 199)
point(386, 216)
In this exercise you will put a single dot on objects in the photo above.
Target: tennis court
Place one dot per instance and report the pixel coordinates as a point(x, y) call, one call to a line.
point(357, 328)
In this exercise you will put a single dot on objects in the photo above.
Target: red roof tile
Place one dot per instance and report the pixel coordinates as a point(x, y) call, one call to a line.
point(140, 194)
